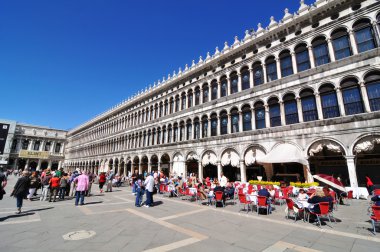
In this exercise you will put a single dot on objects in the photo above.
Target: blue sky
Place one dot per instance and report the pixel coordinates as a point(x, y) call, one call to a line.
point(63, 62)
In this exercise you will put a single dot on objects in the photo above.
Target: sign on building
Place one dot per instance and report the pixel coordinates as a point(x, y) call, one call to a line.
point(34, 154)
point(4, 128)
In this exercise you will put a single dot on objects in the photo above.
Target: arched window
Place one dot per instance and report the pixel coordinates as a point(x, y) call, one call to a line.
point(341, 44)
point(177, 103)
point(25, 144)
point(271, 69)
point(372, 82)
point(196, 128)
point(364, 35)
point(223, 123)
point(259, 115)
point(183, 106)
point(144, 143)
point(142, 116)
point(321, 51)
point(153, 136)
point(247, 118)
point(223, 86)
point(352, 98)
point(170, 133)
point(156, 111)
point(188, 129)
point(161, 109)
point(190, 98)
point(182, 131)
point(197, 95)
point(36, 145)
point(302, 57)
point(204, 126)
point(175, 132)
point(214, 90)
point(286, 63)
point(205, 92)
point(309, 107)
point(47, 146)
point(245, 78)
point(234, 83)
point(158, 136)
point(57, 148)
point(166, 107)
point(274, 112)
point(163, 134)
point(291, 111)
point(146, 116)
point(148, 138)
point(214, 125)
point(234, 121)
point(171, 105)
point(258, 76)
point(329, 101)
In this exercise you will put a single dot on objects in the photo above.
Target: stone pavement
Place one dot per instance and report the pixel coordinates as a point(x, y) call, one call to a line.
point(110, 222)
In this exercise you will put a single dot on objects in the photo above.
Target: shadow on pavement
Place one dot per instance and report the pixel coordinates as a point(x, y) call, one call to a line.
point(157, 203)
point(15, 216)
point(93, 203)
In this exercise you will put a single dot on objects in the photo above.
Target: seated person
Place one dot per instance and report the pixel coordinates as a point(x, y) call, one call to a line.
point(202, 193)
point(271, 191)
point(218, 188)
point(376, 200)
point(264, 192)
point(229, 190)
point(320, 196)
point(302, 195)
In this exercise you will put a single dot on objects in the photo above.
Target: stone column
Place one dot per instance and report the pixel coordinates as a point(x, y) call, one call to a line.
point(27, 164)
point(218, 126)
point(299, 109)
point(149, 167)
point(200, 170)
point(363, 89)
point(353, 42)
point(352, 172)
point(278, 66)
point(208, 127)
point(251, 84)
point(200, 129)
point(243, 172)
point(209, 91)
point(50, 163)
point(39, 165)
point(282, 112)
point(171, 167)
point(140, 167)
point(340, 101)
point(59, 164)
point(267, 116)
point(307, 174)
point(265, 73)
point(331, 50)
point(30, 146)
point(228, 123)
point(240, 88)
point(319, 105)
point(240, 121)
point(219, 165)
point(219, 90)
point(228, 85)
point(42, 145)
point(376, 32)
point(294, 62)
point(311, 56)
point(253, 119)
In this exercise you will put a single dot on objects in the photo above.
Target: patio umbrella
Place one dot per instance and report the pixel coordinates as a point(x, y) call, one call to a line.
point(330, 180)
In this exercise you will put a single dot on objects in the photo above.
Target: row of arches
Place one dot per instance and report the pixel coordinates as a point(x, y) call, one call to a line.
point(340, 43)
point(349, 97)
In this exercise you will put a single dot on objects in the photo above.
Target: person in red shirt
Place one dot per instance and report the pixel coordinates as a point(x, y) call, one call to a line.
point(369, 184)
point(102, 180)
point(54, 187)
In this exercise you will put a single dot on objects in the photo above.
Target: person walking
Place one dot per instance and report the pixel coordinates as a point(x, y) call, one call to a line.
point(369, 184)
point(54, 187)
point(20, 190)
point(62, 186)
point(109, 181)
point(3, 183)
point(45, 185)
point(34, 184)
point(139, 192)
point(102, 180)
point(149, 184)
point(82, 186)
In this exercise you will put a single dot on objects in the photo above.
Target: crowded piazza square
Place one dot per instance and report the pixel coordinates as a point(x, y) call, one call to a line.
point(268, 143)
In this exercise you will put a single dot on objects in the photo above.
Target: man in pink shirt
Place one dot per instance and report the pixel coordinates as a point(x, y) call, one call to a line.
point(82, 186)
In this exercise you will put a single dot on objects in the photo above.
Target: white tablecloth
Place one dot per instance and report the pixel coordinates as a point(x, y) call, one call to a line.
point(359, 192)
point(252, 197)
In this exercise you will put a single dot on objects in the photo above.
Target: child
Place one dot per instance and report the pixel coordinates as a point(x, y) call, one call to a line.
point(139, 192)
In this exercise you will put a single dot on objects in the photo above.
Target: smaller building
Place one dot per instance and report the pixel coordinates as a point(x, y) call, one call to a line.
point(7, 130)
point(33, 147)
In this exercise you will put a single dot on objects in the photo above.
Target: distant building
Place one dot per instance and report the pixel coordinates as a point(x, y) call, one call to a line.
point(290, 100)
point(34, 147)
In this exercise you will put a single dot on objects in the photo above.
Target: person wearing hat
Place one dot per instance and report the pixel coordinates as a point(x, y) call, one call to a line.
point(45, 185)
point(21, 189)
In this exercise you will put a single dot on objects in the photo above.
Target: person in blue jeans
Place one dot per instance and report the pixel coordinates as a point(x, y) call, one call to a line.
point(139, 192)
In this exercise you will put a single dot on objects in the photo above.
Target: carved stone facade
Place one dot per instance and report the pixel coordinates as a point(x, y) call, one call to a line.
point(36, 147)
point(303, 92)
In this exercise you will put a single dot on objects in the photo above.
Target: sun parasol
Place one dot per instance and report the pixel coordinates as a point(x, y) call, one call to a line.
point(330, 180)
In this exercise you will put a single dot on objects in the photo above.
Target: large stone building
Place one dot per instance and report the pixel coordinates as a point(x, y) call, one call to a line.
point(296, 98)
point(34, 147)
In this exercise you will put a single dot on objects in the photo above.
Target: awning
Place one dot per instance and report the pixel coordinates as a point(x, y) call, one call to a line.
point(283, 153)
